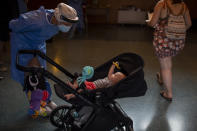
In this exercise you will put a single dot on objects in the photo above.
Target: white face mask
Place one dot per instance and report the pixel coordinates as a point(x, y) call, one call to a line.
point(64, 28)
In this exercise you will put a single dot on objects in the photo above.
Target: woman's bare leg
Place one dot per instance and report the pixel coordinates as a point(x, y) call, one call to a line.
point(166, 75)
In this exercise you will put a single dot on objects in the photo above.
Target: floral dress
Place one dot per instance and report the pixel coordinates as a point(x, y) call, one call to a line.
point(165, 47)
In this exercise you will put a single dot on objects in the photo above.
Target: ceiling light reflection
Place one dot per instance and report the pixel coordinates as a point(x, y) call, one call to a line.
point(175, 122)
point(58, 61)
point(145, 122)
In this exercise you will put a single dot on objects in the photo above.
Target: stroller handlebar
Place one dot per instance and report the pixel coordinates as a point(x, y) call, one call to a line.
point(34, 69)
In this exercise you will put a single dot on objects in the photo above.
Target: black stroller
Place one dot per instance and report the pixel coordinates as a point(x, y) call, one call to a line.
point(98, 107)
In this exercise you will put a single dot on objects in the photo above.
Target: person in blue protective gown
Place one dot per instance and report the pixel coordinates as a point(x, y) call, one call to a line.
point(30, 31)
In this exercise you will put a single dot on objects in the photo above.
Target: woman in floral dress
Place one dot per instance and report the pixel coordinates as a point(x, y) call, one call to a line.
point(166, 48)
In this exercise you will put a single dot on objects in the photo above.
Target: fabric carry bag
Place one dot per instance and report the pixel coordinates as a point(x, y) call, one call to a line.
point(176, 27)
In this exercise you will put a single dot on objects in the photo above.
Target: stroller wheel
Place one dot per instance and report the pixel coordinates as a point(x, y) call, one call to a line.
point(122, 126)
point(60, 117)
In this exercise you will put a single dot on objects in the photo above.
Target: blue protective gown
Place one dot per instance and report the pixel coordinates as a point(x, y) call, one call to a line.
point(30, 31)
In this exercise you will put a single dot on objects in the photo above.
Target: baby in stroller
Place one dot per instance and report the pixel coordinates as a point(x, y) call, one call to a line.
point(111, 79)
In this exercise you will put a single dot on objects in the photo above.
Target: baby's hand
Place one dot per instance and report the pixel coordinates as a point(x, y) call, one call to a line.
point(74, 86)
point(69, 96)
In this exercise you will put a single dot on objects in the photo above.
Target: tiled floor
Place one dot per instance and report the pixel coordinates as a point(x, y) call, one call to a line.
point(149, 112)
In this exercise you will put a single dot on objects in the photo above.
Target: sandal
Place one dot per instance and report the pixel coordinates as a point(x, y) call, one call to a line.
point(158, 76)
point(166, 98)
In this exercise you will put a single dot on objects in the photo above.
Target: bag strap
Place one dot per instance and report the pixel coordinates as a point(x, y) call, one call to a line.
point(165, 7)
point(182, 12)
point(184, 8)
